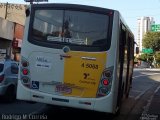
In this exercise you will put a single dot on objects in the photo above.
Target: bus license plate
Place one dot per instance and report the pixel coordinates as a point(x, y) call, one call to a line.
point(63, 89)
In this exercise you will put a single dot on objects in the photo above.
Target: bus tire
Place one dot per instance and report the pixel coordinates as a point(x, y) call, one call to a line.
point(127, 94)
point(130, 86)
point(118, 112)
point(122, 92)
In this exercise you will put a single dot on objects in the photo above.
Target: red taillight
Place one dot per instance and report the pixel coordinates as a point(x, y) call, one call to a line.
point(105, 82)
point(1, 78)
point(25, 71)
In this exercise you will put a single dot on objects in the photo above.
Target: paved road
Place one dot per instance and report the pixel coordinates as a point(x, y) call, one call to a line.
point(18, 109)
point(146, 78)
point(145, 84)
point(151, 111)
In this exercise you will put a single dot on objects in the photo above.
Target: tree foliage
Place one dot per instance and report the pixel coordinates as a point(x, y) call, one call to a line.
point(157, 57)
point(143, 57)
point(146, 57)
point(152, 40)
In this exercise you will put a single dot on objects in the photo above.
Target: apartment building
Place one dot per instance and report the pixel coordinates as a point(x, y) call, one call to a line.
point(144, 25)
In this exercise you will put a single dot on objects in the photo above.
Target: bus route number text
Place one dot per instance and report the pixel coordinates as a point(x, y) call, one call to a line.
point(88, 65)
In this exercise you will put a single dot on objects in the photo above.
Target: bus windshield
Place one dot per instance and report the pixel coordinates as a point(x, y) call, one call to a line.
point(71, 27)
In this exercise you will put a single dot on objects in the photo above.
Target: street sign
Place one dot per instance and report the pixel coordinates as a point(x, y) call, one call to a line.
point(155, 27)
point(145, 50)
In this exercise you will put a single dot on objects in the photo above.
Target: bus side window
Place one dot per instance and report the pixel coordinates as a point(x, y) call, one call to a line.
point(122, 44)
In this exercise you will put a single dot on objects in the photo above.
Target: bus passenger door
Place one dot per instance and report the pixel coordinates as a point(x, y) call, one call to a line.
point(122, 42)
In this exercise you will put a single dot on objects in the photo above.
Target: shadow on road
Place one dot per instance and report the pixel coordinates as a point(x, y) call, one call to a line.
point(74, 114)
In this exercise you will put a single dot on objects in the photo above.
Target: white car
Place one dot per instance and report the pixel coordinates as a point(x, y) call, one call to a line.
point(8, 79)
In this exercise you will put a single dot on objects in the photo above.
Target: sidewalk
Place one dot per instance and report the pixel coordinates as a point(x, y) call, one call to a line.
point(152, 109)
point(153, 69)
point(148, 69)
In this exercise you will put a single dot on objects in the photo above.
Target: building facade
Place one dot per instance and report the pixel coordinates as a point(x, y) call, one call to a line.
point(144, 25)
point(12, 19)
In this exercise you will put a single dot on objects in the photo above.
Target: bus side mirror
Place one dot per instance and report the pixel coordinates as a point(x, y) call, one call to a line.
point(137, 50)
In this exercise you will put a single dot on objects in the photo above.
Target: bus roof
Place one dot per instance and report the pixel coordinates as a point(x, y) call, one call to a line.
point(71, 6)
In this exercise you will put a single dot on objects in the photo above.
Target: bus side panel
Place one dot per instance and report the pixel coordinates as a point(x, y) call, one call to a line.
point(22, 92)
point(108, 103)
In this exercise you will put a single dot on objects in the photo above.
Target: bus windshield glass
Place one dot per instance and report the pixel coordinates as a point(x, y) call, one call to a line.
point(71, 27)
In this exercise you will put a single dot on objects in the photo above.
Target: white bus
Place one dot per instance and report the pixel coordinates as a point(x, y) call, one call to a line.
point(76, 56)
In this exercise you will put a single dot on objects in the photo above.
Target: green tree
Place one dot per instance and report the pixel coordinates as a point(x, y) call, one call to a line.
point(143, 57)
point(157, 59)
point(146, 57)
point(152, 40)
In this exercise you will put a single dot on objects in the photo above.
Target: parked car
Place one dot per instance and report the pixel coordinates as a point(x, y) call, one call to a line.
point(8, 79)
